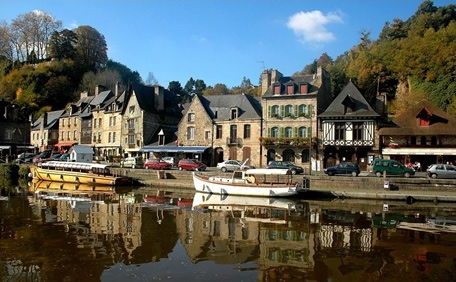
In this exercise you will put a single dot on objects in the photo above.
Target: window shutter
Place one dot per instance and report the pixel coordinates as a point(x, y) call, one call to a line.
point(269, 111)
point(282, 110)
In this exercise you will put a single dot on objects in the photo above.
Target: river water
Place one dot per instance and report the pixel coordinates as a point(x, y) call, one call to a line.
point(151, 235)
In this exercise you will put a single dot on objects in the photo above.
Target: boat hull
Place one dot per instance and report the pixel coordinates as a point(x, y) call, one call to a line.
point(205, 185)
point(77, 177)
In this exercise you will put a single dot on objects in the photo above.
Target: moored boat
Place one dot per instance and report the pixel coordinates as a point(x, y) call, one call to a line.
point(234, 202)
point(251, 182)
point(78, 172)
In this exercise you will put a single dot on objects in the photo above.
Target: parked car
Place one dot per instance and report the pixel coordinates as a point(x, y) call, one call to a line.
point(132, 162)
point(25, 158)
point(64, 157)
point(156, 164)
point(43, 156)
point(232, 165)
point(191, 164)
point(343, 168)
point(441, 171)
point(55, 157)
point(287, 165)
point(391, 167)
point(171, 160)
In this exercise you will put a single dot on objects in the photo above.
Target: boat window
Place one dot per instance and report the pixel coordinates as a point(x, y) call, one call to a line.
point(237, 174)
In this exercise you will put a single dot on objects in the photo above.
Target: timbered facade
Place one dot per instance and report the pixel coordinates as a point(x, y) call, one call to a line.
point(349, 128)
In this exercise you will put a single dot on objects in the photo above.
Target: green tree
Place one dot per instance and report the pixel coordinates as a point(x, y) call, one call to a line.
point(91, 48)
point(62, 45)
point(199, 86)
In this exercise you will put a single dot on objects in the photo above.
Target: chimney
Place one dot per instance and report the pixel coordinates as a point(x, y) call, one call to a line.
point(97, 90)
point(275, 76)
point(159, 98)
point(84, 94)
point(381, 103)
point(265, 81)
point(116, 89)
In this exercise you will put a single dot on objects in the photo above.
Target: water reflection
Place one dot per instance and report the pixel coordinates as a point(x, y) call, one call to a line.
point(107, 234)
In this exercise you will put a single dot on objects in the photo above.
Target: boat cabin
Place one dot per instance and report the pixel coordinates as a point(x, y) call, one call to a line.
point(99, 169)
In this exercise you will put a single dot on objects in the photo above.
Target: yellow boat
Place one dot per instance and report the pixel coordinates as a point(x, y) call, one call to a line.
point(51, 186)
point(79, 173)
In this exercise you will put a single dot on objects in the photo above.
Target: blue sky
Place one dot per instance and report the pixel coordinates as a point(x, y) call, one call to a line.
point(221, 41)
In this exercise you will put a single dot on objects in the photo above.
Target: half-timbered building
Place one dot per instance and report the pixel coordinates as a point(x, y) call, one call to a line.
point(349, 127)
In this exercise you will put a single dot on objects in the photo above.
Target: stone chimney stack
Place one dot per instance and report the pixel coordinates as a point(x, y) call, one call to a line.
point(275, 76)
point(84, 94)
point(265, 81)
point(97, 90)
point(116, 89)
point(159, 98)
point(381, 104)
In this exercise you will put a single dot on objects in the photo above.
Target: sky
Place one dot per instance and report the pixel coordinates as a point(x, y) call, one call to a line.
point(221, 41)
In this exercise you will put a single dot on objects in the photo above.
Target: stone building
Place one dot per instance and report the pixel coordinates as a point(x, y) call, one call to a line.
point(291, 105)
point(15, 133)
point(424, 134)
point(148, 110)
point(229, 125)
point(349, 130)
point(44, 133)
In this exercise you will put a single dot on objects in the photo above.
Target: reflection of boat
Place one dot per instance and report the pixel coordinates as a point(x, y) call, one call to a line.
point(202, 200)
point(435, 226)
point(77, 172)
point(40, 185)
point(251, 182)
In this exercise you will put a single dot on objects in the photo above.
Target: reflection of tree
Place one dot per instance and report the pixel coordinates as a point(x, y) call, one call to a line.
point(158, 240)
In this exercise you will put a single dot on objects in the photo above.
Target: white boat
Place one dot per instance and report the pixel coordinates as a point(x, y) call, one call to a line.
point(230, 202)
point(251, 182)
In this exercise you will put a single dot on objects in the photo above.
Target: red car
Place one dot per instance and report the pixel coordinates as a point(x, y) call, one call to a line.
point(156, 164)
point(190, 164)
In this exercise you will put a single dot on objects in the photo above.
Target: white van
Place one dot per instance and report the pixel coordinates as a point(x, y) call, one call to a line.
point(133, 162)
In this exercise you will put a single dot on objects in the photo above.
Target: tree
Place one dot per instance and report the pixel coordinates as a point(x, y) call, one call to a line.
point(6, 47)
point(32, 32)
point(62, 45)
point(221, 89)
point(175, 88)
point(151, 80)
point(324, 60)
point(199, 86)
point(127, 76)
point(190, 86)
point(91, 48)
point(107, 78)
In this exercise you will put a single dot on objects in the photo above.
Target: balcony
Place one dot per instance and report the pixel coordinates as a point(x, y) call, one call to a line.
point(233, 141)
point(287, 141)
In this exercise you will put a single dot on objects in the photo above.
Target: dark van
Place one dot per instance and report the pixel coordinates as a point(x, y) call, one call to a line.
point(391, 167)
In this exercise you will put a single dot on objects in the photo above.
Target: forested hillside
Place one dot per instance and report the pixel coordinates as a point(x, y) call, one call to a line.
point(412, 59)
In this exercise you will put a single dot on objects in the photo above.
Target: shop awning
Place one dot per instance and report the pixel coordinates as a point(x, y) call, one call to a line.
point(5, 147)
point(420, 151)
point(25, 147)
point(176, 149)
point(65, 144)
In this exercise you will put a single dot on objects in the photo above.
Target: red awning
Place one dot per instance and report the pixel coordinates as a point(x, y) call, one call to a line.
point(65, 144)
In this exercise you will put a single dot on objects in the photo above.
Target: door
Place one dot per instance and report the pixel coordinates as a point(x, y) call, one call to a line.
point(246, 154)
point(233, 153)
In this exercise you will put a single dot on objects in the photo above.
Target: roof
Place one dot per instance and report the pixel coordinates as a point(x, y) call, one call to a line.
point(146, 99)
point(310, 79)
point(101, 98)
point(52, 119)
point(80, 149)
point(441, 123)
point(351, 97)
point(219, 106)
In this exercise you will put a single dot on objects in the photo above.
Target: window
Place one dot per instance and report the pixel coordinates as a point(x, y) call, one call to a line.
point(89, 123)
point(218, 133)
point(234, 113)
point(131, 139)
point(100, 124)
point(233, 132)
point(94, 123)
point(113, 137)
point(290, 89)
point(75, 136)
point(246, 131)
point(339, 131)
point(114, 119)
point(110, 121)
point(305, 156)
point(302, 109)
point(288, 132)
point(413, 140)
point(131, 110)
point(275, 111)
point(302, 132)
point(275, 132)
point(109, 137)
point(276, 89)
point(131, 124)
point(207, 134)
point(9, 134)
point(357, 131)
point(433, 140)
point(423, 140)
point(68, 135)
point(190, 133)
point(288, 110)
point(75, 121)
point(99, 136)
point(303, 88)
point(191, 117)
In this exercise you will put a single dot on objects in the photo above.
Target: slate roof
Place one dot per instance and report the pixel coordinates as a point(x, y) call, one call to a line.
point(349, 96)
point(81, 149)
point(297, 80)
point(146, 100)
point(248, 106)
point(52, 119)
point(170, 137)
point(101, 98)
point(441, 123)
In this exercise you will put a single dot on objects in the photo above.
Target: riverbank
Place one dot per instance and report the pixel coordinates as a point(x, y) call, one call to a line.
point(412, 189)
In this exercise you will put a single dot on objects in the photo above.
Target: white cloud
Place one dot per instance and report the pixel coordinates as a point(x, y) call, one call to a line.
point(73, 25)
point(311, 26)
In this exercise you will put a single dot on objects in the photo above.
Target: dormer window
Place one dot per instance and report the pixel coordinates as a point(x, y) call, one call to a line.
point(424, 117)
point(290, 89)
point(303, 88)
point(276, 89)
point(234, 113)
